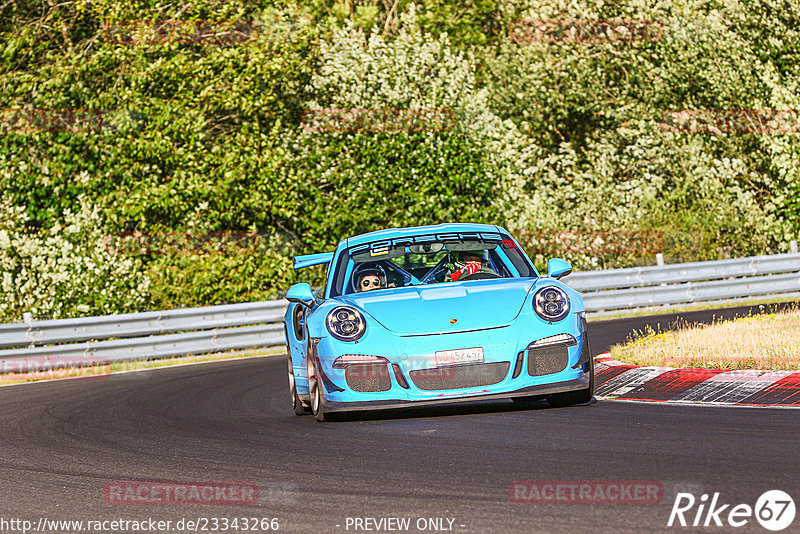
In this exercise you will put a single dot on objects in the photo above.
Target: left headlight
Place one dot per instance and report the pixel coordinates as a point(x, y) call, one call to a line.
point(551, 303)
point(345, 323)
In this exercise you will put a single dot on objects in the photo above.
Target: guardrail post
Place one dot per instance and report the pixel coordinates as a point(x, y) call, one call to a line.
point(659, 259)
point(793, 246)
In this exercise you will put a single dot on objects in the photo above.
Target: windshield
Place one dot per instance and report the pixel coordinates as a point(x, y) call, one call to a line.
point(433, 259)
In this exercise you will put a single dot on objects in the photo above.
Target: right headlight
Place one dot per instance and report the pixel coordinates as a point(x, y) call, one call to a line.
point(345, 323)
point(551, 303)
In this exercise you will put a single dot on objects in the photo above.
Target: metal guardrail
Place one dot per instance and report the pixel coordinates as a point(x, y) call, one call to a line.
point(686, 283)
point(45, 345)
point(683, 272)
point(54, 344)
point(139, 324)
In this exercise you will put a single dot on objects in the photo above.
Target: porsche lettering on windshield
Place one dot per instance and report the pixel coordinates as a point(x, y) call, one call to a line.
point(379, 247)
point(431, 259)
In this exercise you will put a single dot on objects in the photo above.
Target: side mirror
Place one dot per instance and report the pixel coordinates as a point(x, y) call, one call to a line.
point(556, 268)
point(301, 293)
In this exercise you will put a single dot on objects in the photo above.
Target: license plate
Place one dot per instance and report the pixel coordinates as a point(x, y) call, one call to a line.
point(459, 356)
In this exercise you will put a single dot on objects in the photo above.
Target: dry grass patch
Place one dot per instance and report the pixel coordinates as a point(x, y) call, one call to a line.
point(764, 341)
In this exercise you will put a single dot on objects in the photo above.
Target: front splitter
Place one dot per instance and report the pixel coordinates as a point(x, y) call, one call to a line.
point(542, 389)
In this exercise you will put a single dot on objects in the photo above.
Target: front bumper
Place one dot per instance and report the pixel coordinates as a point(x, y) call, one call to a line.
point(509, 373)
point(443, 399)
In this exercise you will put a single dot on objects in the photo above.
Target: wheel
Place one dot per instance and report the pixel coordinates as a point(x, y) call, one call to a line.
point(316, 402)
point(582, 396)
point(317, 405)
point(299, 407)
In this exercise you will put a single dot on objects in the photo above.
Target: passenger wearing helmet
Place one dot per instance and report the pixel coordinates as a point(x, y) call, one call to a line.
point(464, 264)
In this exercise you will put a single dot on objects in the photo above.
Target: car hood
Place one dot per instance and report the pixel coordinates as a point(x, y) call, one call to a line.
point(445, 308)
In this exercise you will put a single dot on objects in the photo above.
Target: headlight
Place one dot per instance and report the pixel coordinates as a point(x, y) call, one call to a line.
point(345, 323)
point(551, 303)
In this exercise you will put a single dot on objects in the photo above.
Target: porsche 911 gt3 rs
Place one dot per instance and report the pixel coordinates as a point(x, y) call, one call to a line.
point(434, 314)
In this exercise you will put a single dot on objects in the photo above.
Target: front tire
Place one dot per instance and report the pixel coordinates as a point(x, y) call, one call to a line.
point(570, 398)
point(317, 396)
point(318, 405)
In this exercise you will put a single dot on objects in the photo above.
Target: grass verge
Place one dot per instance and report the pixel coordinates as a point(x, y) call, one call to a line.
point(103, 370)
point(763, 341)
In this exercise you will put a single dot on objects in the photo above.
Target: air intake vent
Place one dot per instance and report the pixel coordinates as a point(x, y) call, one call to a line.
point(460, 376)
point(368, 377)
point(518, 367)
point(547, 360)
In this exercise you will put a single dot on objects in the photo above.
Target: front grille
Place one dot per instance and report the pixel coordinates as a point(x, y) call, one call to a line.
point(460, 376)
point(547, 360)
point(368, 377)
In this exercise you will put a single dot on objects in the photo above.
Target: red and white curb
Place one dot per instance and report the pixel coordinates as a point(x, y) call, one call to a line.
point(615, 380)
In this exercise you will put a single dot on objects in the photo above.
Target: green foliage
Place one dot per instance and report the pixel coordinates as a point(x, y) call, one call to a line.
point(174, 131)
point(185, 137)
point(184, 279)
point(363, 179)
point(350, 184)
point(605, 162)
point(467, 23)
point(66, 270)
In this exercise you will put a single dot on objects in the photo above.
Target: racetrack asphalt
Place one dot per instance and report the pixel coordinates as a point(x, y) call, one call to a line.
point(62, 442)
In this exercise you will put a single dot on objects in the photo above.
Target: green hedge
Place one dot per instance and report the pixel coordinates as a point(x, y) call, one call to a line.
point(190, 136)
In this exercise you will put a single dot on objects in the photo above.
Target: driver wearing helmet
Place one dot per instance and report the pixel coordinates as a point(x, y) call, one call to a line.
point(465, 264)
point(368, 280)
point(369, 276)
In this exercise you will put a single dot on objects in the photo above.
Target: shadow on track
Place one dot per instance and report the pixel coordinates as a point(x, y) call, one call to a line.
point(449, 410)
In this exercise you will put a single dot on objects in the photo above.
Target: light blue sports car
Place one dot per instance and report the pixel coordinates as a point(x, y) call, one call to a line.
point(434, 314)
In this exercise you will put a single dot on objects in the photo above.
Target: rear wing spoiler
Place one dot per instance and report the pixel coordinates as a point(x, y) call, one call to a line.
point(301, 262)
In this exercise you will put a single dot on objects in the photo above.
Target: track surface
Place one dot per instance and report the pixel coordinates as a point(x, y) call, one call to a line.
point(61, 442)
